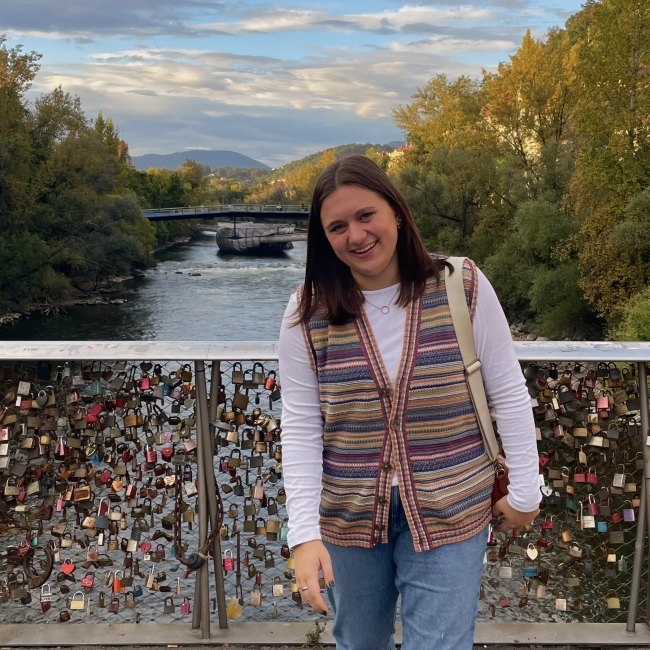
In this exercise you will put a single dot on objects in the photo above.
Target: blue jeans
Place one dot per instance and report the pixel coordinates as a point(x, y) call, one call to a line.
point(439, 590)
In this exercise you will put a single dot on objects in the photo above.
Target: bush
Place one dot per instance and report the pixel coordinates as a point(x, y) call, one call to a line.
point(635, 324)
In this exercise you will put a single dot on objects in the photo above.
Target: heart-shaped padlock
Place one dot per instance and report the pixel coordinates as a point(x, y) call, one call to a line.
point(532, 552)
point(67, 567)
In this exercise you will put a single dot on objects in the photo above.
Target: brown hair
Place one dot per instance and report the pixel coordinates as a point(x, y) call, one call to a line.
point(328, 281)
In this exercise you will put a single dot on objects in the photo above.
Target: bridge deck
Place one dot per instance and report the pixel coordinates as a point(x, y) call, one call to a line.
point(232, 211)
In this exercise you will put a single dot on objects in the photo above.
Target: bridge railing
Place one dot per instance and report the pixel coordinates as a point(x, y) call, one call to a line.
point(112, 414)
point(230, 208)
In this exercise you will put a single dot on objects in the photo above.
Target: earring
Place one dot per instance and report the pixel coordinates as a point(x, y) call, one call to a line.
point(399, 223)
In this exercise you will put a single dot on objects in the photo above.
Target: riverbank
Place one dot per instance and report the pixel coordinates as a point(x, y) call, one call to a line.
point(82, 295)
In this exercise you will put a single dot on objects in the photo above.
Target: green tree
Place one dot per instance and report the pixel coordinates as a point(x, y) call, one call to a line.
point(613, 163)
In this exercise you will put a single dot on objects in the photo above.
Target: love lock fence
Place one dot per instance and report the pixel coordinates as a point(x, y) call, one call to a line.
point(140, 490)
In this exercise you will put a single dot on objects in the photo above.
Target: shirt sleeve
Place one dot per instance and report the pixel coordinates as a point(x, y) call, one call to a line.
point(302, 432)
point(507, 393)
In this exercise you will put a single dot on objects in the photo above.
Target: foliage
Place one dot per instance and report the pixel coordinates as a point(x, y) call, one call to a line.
point(541, 170)
point(613, 166)
point(63, 219)
point(314, 636)
point(635, 322)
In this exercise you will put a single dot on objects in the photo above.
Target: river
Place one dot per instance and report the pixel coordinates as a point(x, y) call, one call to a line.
point(234, 298)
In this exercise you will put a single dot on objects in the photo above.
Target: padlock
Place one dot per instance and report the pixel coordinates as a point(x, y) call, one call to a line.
point(78, 603)
point(228, 561)
point(613, 602)
point(151, 455)
point(505, 569)
point(619, 477)
point(256, 596)
point(560, 601)
point(628, 513)
point(278, 587)
point(185, 607)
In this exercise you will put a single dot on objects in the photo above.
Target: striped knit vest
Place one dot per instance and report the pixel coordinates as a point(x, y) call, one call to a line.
point(424, 427)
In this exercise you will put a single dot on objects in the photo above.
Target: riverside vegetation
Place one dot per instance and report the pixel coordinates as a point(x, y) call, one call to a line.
point(70, 207)
point(539, 170)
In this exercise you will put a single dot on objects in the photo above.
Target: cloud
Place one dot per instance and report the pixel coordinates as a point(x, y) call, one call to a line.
point(195, 18)
point(88, 18)
point(279, 19)
point(265, 107)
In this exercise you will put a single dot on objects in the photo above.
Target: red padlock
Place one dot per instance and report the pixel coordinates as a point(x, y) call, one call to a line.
point(185, 607)
point(88, 581)
point(151, 455)
point(589, 380)
point(617, 517)
point(591, 476)
point(228, 561)
point(144, 383)
point(594, 508)
point(167, 452)
point(579, 476)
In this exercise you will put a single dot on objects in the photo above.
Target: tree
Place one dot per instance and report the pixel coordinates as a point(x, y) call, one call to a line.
point(613, 164)
point(62, 220)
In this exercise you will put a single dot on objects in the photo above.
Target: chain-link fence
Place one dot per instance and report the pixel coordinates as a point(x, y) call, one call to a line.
point(90, 452)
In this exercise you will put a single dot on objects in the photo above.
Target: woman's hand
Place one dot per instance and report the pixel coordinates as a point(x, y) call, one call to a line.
point(308, 558)
point(511, 518)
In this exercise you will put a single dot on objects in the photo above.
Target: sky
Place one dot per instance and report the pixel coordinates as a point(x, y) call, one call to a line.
point(274, 81)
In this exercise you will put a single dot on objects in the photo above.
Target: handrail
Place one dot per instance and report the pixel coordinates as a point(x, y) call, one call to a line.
point(630, 351)
point(229, 208)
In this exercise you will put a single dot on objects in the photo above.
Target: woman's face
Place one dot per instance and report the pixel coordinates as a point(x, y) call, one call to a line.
point(362, 229)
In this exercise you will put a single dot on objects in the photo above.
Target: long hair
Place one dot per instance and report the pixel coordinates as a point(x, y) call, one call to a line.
point(328, 281)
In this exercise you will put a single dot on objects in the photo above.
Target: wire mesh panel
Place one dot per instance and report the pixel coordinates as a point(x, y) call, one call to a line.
point(93, 455)
point(89, 483)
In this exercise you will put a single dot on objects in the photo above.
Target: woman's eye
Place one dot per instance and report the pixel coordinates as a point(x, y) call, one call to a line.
point(367, 215)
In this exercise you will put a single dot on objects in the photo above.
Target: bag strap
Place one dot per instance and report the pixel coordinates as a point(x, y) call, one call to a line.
point(471, 365)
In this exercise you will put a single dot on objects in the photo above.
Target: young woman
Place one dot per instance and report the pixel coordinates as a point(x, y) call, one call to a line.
point(388, 482)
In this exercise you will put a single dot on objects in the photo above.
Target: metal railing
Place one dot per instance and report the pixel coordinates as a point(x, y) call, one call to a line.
point(207, 211)
point(199, 407)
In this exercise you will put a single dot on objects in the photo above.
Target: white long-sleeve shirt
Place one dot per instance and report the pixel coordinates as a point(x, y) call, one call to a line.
point(302, 422)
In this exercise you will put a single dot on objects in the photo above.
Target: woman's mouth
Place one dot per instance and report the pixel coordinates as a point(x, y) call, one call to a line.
point(361, 252)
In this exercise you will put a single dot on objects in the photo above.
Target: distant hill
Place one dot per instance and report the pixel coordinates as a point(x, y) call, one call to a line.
point(212, 159)
point(340, 152)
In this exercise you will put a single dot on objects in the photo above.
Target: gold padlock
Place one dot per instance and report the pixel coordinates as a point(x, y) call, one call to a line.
point(613, 602)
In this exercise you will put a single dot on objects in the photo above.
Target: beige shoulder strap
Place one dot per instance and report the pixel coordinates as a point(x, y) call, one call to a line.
point(464, 334)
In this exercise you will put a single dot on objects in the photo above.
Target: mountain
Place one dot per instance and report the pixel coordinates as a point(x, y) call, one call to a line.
point(212, 159)
point(341, 151)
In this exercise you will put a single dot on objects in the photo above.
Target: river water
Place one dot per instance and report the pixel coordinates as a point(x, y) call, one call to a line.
point(234, 298)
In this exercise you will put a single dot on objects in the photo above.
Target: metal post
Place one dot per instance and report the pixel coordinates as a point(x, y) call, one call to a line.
point(639, 546)
point(203, 430)
point(203, 606)
point(645, 436)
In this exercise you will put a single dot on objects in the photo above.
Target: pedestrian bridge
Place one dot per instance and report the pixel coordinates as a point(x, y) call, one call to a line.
point(230, 210)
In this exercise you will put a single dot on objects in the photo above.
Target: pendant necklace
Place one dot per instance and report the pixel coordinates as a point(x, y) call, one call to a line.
point(384, 309)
